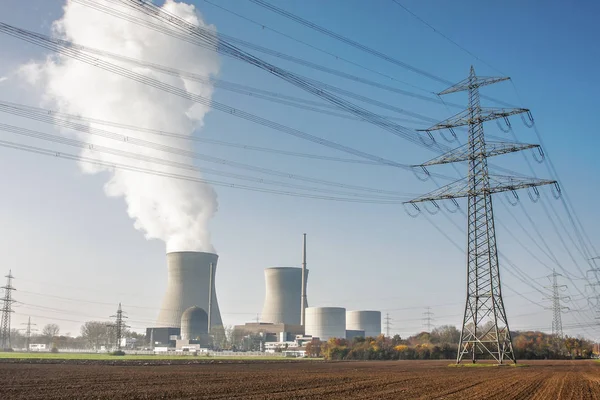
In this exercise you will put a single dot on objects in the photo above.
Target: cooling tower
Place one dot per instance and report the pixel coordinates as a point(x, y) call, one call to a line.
point(283, 295)
point(367, 321)
point(187, 286)
point(194, 322)
point(325, 322)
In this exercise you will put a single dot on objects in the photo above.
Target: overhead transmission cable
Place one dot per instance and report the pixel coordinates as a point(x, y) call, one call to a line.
point(32, 38)
point(225, 47)
point(133, 168)
point(446, 37)
point(47, 116)
point(73, 117)
point(161, 161)
point(310, 105)
point(327, 52)
point(361, 46)
point(94, 4)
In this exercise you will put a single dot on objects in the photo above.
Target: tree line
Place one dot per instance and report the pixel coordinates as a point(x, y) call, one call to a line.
point(442, 343)
point(92, 335)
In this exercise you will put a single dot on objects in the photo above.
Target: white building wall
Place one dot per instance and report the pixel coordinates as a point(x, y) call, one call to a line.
point(368, 321)
point(326, 322)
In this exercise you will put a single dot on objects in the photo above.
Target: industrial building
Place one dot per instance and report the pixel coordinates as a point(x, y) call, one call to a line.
point(367, 321)
point(161, 336)
point(270, 332)
point(189, 283)
point(283, 295)
point(325, 322)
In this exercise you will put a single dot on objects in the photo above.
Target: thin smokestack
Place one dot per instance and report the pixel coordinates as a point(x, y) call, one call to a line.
point(210, 286)
point(303, 295)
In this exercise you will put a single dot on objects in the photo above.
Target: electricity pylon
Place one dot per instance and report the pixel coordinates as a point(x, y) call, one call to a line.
point(428, 318)
point(7, 310)
point(485, 329)
point(387, 324)
point(28, 331)
point(557, 308)
point(119, 325)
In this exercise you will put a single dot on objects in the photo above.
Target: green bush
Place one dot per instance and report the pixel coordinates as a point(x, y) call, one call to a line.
point(54, 350)
point(117, 353)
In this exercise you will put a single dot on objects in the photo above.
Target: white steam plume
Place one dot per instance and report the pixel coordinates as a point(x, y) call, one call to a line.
point(168, 209)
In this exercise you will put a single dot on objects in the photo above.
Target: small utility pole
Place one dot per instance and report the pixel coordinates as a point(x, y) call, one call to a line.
point(387, 324)
point(119, 325)
point(7, 310)
point(210, 295)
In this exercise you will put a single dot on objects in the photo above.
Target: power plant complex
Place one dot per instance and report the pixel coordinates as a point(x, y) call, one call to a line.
point(190, 310)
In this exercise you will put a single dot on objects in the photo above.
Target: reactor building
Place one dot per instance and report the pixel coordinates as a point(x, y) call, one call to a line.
point(190, 283)
point(367, 321)
point(283, 295)
point(325, 322)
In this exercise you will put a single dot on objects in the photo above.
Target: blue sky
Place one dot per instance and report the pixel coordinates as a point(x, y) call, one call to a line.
point(64, 238)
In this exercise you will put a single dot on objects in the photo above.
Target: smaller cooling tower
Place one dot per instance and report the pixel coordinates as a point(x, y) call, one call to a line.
point(368, 321)
point(194, 322)
point(283, 295)
point(326, 322)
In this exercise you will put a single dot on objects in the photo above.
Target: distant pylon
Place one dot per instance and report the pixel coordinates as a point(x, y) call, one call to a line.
point(428, 318)
point(28, 331)
point(485, 329)
point(7, 310)
point(388, 323)
point(119, 326)
point(557, 308)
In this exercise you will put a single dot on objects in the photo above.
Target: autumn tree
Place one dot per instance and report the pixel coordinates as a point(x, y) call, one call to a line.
point(445, 334)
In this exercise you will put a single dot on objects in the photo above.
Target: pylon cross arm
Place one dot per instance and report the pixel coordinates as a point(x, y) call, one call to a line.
point(465, 117)
point(498, 183)
point(468, 83)
point(463, 153)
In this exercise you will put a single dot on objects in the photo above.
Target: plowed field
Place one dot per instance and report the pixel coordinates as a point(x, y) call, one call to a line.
point(299, 380)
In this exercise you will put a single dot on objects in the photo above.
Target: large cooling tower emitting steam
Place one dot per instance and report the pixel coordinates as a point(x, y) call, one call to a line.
point(283, 294)
point(367, 321)
point(188, 285)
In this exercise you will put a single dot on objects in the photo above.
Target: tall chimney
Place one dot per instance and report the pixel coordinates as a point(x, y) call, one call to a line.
point(303, 295)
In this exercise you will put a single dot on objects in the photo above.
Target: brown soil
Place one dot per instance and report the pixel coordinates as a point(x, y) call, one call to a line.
point(310, 380)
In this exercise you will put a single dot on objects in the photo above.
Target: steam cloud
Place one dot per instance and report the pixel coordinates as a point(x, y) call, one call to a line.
point(172, 210)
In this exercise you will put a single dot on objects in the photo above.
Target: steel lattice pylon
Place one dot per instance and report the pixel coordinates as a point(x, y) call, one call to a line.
point(6, 312)
point(485, 329)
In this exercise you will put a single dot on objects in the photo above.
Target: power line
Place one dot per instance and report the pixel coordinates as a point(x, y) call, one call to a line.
point(336, 56)
point(132, 168)
point(358, 45)
point(226, 47)
point(43, 42)
point(164, 162)
point(446, 37)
